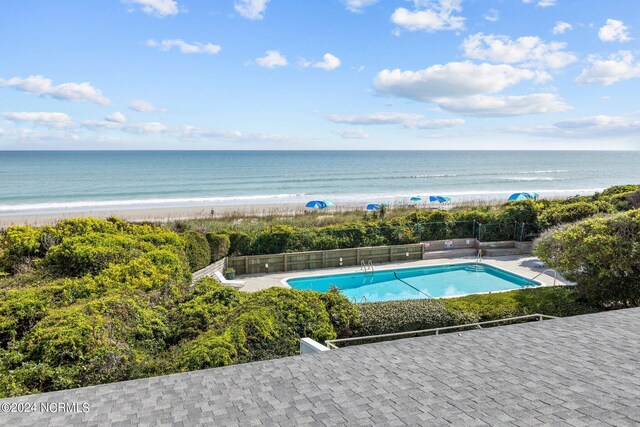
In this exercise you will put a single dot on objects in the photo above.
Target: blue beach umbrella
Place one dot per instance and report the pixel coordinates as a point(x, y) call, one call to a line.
point(316, 204)
point(373, 207)
point(329, 203)
point(415, 199)
point(523, 196)
point(439, 199)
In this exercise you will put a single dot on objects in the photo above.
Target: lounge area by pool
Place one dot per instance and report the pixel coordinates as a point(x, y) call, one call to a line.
point(415, 283)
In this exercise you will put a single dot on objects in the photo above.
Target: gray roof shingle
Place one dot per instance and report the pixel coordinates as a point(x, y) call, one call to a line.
point(578, 371)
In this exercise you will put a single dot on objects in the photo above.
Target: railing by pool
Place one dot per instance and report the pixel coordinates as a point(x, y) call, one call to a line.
point(331, 344)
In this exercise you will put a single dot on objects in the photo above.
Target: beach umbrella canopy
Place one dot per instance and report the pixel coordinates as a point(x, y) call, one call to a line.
point(373, 207)
point(415, 199)
point(329, 203)
point(439, 199)
point(523, 196)
point(316, 204)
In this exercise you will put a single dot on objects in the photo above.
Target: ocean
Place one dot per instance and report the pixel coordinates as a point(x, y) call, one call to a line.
point(80, 181)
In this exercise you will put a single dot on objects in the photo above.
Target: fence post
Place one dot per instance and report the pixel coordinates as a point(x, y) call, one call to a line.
point(285, 262)
point(390, 250)
point(473, 231)
point(246, 265)
point(357, 256)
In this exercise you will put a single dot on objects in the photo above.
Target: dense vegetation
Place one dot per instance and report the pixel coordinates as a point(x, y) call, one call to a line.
point(600, 254)
point(411, 315)
point(90, 301)
point(320, 231)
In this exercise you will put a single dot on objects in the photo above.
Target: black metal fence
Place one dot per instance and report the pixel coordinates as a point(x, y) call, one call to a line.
point(492, 232)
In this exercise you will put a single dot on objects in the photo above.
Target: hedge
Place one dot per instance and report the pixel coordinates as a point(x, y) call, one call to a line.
point(197, 250)
point(411, 315)
point(601, 254)
point(219, 245)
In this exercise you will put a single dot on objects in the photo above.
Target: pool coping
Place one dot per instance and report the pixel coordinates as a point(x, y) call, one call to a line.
point(456, 262)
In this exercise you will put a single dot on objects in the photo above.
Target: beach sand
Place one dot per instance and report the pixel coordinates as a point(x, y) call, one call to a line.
point(163, 214)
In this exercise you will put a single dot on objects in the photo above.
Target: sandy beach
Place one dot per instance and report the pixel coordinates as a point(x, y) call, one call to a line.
point(163, 214)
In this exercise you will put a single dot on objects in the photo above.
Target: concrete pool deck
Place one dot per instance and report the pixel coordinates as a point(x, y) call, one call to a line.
point(523, 265)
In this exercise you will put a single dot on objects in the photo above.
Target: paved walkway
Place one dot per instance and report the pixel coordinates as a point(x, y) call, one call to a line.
point(519, 264)
point(578, 371)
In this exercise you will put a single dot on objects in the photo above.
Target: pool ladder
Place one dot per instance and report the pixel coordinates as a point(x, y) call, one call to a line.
point(555, 275)
point(366, 267)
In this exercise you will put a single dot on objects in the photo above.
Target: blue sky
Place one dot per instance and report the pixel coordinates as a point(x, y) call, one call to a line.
point(320, 74)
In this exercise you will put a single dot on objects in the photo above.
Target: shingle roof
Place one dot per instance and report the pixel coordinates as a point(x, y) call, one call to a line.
point(582, 370)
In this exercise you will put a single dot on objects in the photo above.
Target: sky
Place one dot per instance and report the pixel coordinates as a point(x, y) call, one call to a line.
point(320, 74)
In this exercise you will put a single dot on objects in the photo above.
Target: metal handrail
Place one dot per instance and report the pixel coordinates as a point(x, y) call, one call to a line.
point(371, 265)
point(330, 343)
point(555, 275)
point(479, 257)
point(363, 266)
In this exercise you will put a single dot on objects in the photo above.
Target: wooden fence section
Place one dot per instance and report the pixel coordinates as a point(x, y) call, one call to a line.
point(209, 271)
point(320, 259)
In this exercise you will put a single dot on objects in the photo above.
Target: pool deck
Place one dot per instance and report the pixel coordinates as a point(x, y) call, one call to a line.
point(576, 371)
point(523, 265)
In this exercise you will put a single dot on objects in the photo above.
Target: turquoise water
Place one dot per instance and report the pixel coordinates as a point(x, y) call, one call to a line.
point(416, 283)
point(57, 181)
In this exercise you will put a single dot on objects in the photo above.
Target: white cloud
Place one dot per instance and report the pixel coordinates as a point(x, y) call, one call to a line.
point(357, 6)
point(562, 27)
point(436, 124)
point(430, 16)
point(619, 66)
point(137, 128)
point(272, 59)
point(116, 117)
point(159, 8)
point(505, 106)
point(613, 31)
point(329, 62)
point(52, 120)
point(542, 3)
point(492, 15)
point(193, 133)
point(407, 120)
point(251, 9)
point(452, 80)
point(184, 47)
point(352, 133)
point(529, 51)
point(462, 87)
point(599, 126)
point(41, 86)
point(145, 106)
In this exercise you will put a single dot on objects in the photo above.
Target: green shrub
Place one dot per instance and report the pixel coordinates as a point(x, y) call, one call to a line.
point(219, 245)
point(197, 250)
point(208, 350)
point(618, 189)
point(274, 240)
point(91, 253)
point(601, 255)
point(239, 243)
point(19, 244)
point(403, 316)
point(553, 301)
point(572, 212)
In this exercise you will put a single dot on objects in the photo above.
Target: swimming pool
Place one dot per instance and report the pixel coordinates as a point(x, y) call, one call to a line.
point(415, 283)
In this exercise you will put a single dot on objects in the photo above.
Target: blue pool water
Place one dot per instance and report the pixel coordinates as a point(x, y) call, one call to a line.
point(415, 283)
